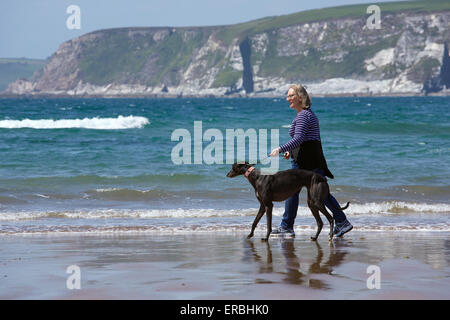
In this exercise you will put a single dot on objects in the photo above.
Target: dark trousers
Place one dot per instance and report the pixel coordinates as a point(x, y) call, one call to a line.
point(291, 206)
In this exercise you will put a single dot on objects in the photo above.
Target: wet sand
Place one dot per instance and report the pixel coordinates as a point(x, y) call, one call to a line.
point(208, 265)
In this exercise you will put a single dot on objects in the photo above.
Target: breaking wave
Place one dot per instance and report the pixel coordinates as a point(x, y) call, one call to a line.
point(392, 208)
point(119, 123)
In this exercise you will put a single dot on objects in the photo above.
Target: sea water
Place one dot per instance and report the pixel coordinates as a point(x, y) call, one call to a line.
point(106, 165)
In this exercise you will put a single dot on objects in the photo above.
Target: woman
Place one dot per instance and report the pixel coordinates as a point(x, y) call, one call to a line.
point(306, 150)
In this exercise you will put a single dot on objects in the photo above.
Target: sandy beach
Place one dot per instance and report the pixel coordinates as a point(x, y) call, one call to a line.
point(411, 265)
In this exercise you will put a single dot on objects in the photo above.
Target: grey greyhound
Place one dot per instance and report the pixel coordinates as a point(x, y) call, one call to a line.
point(281, 186)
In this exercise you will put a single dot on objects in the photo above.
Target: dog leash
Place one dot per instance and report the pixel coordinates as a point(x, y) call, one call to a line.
point(264, 159)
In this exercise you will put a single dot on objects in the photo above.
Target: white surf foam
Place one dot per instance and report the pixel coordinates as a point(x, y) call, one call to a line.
point(396, 208)
point(126, 213)
point(121, 122)
point(203, 228)
point(391, 208)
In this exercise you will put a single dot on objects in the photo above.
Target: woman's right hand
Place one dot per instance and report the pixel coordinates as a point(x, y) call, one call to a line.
point(286, 155)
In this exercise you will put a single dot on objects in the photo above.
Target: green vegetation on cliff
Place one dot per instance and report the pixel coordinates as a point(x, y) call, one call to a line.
point(311, 45)
point(117, 56)
point(270, 23)
point(13, 69)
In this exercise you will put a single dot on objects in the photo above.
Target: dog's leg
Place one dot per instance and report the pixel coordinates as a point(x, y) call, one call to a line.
point(269, 208)
point(329, 218)
point(262, 209)
point(316, 215)
point(322, 190)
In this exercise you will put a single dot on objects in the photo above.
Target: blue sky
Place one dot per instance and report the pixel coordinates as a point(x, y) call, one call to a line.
point(35, 28)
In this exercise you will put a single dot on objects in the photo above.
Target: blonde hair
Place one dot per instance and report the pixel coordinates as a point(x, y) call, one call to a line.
point(300, 91)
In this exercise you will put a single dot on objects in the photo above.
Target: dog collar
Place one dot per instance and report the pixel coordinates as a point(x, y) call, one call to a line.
point(249, 170)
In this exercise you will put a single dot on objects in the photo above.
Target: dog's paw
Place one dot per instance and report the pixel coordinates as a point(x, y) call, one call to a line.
point(313, 238)
point(264, 239)
point(250, 236)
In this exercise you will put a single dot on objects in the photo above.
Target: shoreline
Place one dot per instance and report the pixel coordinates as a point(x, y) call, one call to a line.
point(226, 266)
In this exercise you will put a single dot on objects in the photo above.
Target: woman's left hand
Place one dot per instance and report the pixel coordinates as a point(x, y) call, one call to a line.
point(275, 152)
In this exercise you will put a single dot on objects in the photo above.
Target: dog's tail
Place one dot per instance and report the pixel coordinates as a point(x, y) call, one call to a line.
point(346, 206)
point(317, 179)
point(339, 208)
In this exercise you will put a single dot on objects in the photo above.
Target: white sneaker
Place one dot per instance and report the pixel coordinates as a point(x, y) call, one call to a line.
point(342, 228)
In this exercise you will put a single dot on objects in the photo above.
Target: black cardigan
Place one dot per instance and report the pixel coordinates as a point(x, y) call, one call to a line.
point(310, 156)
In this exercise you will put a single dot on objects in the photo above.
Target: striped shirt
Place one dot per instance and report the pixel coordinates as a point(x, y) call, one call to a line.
point(305, 127)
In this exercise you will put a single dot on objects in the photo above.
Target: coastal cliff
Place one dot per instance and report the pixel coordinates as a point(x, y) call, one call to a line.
point(333, 51)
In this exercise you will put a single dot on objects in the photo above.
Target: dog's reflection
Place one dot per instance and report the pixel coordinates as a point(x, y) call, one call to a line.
point(295, 271)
